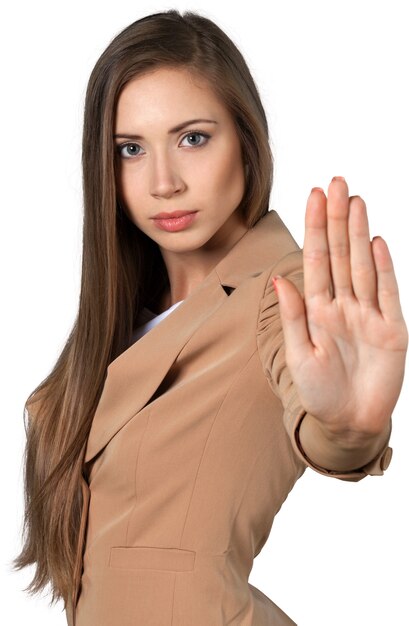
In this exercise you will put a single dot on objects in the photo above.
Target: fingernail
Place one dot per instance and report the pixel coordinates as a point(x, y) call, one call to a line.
point(275, 279)
point(338, 178)
point(317, 189)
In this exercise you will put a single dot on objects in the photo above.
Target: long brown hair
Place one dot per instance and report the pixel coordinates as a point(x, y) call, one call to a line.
point(122, 271)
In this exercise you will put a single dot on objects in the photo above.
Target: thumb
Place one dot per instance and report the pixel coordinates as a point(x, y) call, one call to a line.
point(293, 319)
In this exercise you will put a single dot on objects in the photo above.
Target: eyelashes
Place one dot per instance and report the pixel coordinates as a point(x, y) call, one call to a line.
point(124, 146)
point(127, 144)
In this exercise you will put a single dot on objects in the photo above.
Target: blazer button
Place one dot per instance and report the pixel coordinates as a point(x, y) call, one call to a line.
point(386, 459)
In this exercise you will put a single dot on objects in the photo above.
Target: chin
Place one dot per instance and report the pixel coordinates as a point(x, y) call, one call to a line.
point(185, 240)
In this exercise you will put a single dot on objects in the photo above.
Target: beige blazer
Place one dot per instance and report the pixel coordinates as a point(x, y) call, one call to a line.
point(192, 451)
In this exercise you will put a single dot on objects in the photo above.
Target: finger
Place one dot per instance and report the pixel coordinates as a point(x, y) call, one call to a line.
point(317, 274)
point(338, 238)
point(363, 269)
point(388, 293)
point(293, 319)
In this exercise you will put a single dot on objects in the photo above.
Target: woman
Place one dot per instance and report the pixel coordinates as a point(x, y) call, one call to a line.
point(212, 360)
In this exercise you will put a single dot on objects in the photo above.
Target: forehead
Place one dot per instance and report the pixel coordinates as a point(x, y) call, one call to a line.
point(165, 95)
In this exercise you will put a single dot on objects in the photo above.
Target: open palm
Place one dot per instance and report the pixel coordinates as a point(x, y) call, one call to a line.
point(346, 340)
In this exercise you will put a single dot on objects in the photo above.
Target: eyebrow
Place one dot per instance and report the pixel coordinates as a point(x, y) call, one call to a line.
point(176, 129)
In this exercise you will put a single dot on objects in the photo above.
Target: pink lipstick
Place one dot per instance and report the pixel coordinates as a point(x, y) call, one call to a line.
point(172, 222)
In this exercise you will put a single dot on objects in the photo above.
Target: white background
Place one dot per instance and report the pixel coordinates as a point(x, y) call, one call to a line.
point(333, 78)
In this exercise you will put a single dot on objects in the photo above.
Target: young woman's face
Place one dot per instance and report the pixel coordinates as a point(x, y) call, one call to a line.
point(197, 167)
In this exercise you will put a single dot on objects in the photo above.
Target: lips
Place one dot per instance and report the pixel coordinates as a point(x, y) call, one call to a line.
point(175, 224)
point(171, 215)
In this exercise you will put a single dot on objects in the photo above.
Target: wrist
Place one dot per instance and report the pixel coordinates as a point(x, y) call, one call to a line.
point(340, 451)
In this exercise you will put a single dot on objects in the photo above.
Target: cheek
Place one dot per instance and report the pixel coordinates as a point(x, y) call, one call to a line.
point(128, 186)
point(226, 181)
point(128, 193)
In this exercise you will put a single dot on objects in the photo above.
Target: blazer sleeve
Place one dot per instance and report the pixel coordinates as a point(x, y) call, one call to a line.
point(271, 349)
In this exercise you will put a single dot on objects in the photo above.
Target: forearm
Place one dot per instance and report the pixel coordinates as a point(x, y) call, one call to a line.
point(340, 453)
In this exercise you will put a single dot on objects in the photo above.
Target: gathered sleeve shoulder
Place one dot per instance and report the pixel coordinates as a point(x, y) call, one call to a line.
point(271, 349)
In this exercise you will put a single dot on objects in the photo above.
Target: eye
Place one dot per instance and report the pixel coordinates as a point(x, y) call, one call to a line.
point(196, 134)
point(128, 150)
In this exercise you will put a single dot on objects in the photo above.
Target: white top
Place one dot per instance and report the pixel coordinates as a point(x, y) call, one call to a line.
point(148, 319)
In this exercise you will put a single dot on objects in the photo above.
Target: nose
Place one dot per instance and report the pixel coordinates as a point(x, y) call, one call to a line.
point(165, 178)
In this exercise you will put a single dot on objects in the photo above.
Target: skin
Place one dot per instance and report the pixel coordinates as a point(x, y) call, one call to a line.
point(347, 333)
point(182, 171)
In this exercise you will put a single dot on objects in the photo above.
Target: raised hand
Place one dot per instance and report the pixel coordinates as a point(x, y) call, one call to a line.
point(346, 340)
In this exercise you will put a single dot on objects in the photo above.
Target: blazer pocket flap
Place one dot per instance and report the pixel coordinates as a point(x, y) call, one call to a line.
point(144, 557)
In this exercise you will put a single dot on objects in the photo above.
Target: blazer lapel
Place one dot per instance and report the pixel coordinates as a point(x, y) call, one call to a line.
point(134, 376)
point(260, 248)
